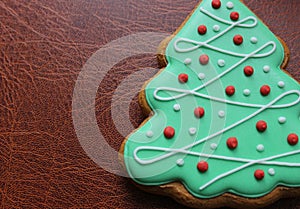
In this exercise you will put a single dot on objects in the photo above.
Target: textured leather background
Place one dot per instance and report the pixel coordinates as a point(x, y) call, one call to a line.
point(43, 46)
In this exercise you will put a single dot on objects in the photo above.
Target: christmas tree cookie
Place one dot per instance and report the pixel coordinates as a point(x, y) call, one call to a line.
point(226, 118)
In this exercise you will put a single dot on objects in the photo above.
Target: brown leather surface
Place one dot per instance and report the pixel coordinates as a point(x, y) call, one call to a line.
point(43, 47)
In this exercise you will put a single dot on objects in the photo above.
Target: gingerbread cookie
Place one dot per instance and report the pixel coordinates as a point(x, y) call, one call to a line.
point(226, 118)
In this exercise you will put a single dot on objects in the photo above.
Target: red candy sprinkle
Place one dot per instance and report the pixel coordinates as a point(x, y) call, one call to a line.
point(265, 90)
point(248, 70)
point(202, 29)
point(199, 112)
point(232, 143)
point(238, 39)
point(293, 139)
point(261, 126)
point(216, 4)
point(234, 15)
point(259, 174)
point(202, 166)
point(204, 59)
point(230, 90)
point(169, 132)
point(183, 78)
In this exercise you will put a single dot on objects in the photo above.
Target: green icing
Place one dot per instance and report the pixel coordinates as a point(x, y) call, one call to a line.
point(274, 139)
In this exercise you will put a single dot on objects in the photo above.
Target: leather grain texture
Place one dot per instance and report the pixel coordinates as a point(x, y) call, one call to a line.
point(43, 47)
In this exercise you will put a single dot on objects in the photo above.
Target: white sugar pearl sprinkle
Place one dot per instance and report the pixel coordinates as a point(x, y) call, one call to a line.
point(176, 107)
point(281, 120)
point(246, 92)
point(260, 148)
point(149, 134)
point(266, 68)
point(201, 76)
point(229, 5)
point(281, 84)
point(180, 162)
point(213, 146)
point(192, 131)
point(221, 63)
point(271, 172)
point(216, 28)
point(253, 40)
point(187, 61)
point(221, 114)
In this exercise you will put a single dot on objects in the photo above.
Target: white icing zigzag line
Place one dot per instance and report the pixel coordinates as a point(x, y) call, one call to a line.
point(254, 54)
point(260, 161)
point(221, 131)
point(236, 103)
point(185, 149)
point(187, 92)
point(232, 25)
point(220, 157)
point(199, 44)
point(205, 44)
